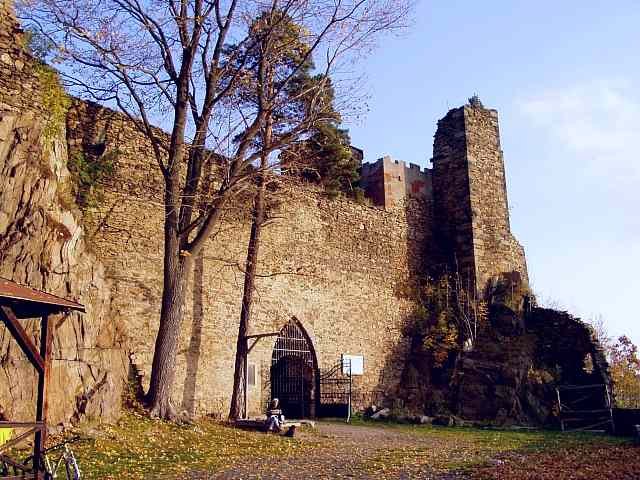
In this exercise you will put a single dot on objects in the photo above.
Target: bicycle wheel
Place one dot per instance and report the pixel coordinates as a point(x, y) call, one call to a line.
point(67, 467)
point(71, 467)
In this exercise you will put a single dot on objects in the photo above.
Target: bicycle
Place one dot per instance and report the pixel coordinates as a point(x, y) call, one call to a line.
point(52, 467)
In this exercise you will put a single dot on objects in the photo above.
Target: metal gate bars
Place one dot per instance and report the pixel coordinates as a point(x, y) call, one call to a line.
point(293, 375)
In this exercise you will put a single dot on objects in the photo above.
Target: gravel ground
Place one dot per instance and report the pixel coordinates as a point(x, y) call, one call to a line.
point(343, 451)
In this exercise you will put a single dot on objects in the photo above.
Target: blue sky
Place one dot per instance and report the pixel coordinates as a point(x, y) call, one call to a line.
point(565, 78)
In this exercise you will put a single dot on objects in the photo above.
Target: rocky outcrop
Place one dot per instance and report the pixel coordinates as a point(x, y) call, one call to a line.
point(511, 374)
point(43, 245)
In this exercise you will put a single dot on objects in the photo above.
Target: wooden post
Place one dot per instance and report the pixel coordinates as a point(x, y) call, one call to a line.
point(560, 409)
point(43, 380)
point(245, 405)
point(610, 406)
point(350, 391)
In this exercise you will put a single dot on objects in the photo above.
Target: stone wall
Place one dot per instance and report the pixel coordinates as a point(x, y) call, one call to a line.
point(495, 249)
point(470, 196)
point(42, 244)
point(519, 369)
point(341, 269)
point(451, 193)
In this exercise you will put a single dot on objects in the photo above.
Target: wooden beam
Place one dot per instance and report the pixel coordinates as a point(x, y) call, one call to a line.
point(11, 462)
point(46, 340)
point(256, 338)
point(19, 333)
point(261, 335)
point(21, 425)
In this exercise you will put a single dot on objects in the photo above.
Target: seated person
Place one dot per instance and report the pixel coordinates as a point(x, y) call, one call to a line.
point(275, 418)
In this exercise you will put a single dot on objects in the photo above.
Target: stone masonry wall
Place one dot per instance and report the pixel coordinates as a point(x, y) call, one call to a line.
point(344, 271)
point(495, 249)
point(470, 196)
point(341, 269)
point(42, 245)
point(451, 195)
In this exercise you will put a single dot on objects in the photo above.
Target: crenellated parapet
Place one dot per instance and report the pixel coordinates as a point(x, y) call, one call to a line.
point(388, 182)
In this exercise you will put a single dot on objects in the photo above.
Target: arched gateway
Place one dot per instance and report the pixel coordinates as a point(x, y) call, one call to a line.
point(294, 372)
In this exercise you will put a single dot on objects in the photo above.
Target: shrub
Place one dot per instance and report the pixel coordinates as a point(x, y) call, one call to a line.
point(54, 101)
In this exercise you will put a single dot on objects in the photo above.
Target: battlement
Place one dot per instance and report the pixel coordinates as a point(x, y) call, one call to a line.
point(388, 182)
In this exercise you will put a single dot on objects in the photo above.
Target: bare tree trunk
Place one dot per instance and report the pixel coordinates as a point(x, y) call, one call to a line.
point(164, 358)
point(177, 268)
point(238, 398)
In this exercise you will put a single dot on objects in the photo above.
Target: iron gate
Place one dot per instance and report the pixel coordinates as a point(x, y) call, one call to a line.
point(293, 372)
point(335, 391)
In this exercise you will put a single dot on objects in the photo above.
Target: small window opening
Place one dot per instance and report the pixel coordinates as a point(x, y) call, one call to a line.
point(587, 363)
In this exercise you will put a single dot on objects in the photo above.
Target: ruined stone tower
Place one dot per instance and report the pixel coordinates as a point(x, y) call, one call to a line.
point(389, 183)
point(470, 196)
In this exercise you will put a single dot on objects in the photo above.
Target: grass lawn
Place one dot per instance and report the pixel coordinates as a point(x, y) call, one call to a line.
point(138, 447)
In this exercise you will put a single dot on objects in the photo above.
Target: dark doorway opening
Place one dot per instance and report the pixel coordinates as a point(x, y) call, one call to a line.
point(294, 378)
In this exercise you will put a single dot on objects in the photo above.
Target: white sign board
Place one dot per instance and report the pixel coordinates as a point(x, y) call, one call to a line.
point(353, 362)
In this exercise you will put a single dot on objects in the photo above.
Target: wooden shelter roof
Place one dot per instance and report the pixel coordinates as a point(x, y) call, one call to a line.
point(27, 302)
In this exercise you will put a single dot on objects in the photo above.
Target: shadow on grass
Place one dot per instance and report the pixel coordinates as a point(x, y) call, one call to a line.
point(461, 449)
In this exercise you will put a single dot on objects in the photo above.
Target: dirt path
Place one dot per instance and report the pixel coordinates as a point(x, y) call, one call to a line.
point(343, 451)
point(340, 451)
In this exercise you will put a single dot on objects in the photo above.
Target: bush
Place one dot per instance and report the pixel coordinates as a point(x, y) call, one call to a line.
point(54, 100)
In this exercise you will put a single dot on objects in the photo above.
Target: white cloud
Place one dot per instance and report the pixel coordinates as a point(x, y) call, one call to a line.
point(585, 250)
point(599, 121)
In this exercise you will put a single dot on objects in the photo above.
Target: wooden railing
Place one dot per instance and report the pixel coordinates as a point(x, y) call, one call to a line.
point(20, 470)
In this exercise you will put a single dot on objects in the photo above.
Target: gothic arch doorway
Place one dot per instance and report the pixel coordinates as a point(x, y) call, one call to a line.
point(294, 372)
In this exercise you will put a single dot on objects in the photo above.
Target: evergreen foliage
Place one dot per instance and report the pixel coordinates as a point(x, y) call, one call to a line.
point(306, 99)
point(326, 157)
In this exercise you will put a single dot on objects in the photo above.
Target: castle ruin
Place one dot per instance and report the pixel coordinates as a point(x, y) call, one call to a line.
point(336, 276)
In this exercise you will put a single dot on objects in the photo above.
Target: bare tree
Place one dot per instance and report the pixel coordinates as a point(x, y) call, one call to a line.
point(599, 326)
point(167, 64)
point(470, 311)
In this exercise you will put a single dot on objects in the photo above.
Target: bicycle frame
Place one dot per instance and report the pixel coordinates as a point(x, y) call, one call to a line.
point(68, 459)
